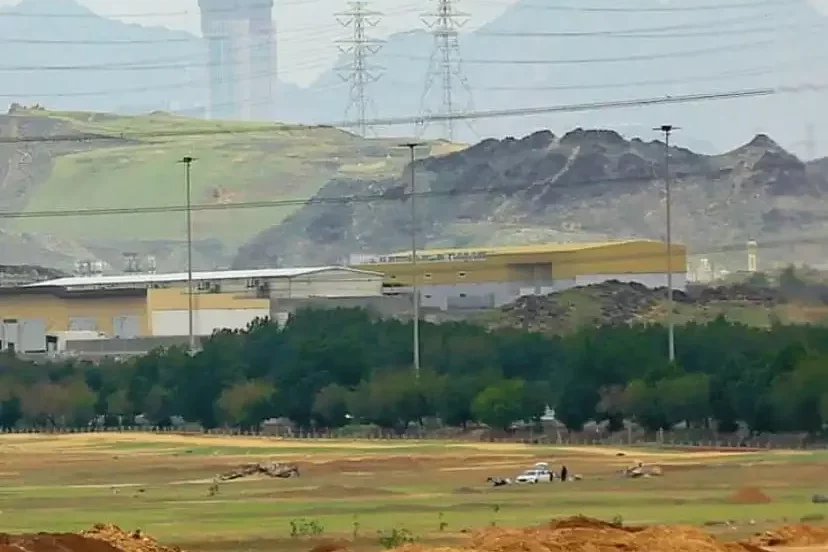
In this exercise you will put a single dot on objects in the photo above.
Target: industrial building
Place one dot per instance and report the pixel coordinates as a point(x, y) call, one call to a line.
point(486, 277)
point(141, 306)
point(241, 57)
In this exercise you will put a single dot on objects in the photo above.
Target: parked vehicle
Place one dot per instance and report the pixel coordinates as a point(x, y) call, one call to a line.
point(539, 474)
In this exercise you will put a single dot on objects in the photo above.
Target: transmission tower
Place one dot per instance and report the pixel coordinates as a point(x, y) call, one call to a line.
point(358, 72)
point(445, 64)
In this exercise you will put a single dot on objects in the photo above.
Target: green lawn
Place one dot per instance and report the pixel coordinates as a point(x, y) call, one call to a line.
point(161, 485)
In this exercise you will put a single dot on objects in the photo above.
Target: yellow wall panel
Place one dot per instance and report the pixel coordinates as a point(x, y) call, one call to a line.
point(565, 260)
point(57, 311)
point(176, 299)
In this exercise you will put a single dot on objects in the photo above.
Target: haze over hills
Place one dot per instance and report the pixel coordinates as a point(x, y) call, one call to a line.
point(139, 169)
point(75, 60)
point(537, 53)
point(587, 184)
point(548, 52)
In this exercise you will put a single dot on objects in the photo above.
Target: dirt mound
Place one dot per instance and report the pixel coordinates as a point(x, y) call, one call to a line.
point(598, 537)
point(749, 495)
point(583, 522)
point(793, 535)
point(61, 542)
point(101, 538)
point(134, 541)
point(582, 534)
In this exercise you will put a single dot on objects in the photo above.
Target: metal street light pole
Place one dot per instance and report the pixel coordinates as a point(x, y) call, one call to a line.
point(671, 340)
point(414, 287)
point(188, 161)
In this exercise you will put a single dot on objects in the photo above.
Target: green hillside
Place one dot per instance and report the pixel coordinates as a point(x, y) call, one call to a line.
point(237, 162)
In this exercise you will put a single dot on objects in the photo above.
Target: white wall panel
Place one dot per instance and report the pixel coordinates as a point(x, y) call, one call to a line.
point(331, 283)
point(205, 321)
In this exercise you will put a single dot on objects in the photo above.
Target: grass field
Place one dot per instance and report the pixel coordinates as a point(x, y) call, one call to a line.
point(244, 162)
point(435, 490)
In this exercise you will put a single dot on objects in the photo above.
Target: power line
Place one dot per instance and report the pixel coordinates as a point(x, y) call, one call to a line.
point(660, 34)
point(445, 61)
point(394, 194)
point(358, 72)
point(265, 128)
point(748, 72)
point(619, 59)
point(89, 14)
point(709, 24)
point(671, 9)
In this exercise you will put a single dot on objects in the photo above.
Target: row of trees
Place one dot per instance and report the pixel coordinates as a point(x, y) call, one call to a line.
point(325, 368)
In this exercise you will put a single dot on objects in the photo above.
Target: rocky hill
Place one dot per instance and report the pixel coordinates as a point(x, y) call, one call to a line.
point(76, 161)
point(617, 303)
point(586, 184)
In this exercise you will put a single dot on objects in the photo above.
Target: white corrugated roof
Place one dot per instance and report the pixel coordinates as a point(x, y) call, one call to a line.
point(173, 277)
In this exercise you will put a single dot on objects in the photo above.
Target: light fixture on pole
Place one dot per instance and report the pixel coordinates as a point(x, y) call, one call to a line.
point(188, 161)
point(671, 340)
point(415, 292)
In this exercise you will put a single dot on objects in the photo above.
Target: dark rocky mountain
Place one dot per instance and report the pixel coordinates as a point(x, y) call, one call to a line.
point(586, 184)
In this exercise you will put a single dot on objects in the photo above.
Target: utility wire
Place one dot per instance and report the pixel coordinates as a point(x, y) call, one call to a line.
point(812, 25)
point(709, 24)
point(671, 9)
point(748, 72)
point(393, 194)
point(620, 59)
point(265, 128)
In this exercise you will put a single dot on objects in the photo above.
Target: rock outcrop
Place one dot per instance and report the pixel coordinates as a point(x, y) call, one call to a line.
point(586, 184)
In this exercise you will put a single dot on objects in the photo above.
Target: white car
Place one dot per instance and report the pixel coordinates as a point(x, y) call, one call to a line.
point(534, 476)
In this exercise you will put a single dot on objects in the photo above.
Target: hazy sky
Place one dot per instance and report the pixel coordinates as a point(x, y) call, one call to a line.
point(307, 29)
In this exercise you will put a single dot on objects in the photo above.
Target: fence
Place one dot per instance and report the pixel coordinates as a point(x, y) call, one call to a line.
point(693, 440)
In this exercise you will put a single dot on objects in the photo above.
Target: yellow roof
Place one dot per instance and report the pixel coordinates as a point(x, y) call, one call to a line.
point(529, 249)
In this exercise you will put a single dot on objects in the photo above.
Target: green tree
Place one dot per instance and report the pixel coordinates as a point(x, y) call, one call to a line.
point(797, 396)
point(577, 404)
point(246, 404)
point(330, 407)
point(684, 399)
point(643, 404)
point(502, 404)
point(392, 399)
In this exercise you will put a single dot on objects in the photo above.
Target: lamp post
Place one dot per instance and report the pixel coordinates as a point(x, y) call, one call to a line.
point(671, 340)
point(188, 161)
point(414, 287)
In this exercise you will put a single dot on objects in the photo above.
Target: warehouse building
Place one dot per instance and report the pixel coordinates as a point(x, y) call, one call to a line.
point(487, 277)
point(156, 305)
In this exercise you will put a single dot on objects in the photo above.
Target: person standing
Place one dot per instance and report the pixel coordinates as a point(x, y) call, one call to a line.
point(564, 473)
